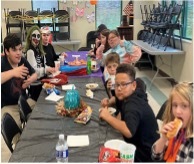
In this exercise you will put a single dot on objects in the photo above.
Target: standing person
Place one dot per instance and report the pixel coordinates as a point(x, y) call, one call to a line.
point(51, 55)
point(180, 147)
point(136, 120)
point(16, 75)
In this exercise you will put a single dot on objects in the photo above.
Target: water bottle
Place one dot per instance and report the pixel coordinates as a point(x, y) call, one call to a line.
point(88, 65)
point(61, 150)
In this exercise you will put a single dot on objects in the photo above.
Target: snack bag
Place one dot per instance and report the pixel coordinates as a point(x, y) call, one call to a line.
point(84, 116)
point(109, 155)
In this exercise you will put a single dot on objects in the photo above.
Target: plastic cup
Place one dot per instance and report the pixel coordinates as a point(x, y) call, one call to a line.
point(127, 152)
point(112, 77)
point(61, 59)
point(93, 64)
point(57, 65)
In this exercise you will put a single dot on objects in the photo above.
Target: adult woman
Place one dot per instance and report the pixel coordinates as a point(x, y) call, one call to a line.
point(128, 52)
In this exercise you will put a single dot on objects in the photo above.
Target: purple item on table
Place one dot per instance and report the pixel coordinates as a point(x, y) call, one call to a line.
point(80, 55)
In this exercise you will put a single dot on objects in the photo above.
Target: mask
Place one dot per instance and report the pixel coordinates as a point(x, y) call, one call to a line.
point(35, 38)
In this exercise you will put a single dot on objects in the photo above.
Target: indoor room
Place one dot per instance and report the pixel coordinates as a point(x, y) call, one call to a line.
point(76, 76)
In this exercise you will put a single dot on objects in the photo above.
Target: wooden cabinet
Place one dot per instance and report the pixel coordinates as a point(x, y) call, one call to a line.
point(126, 31)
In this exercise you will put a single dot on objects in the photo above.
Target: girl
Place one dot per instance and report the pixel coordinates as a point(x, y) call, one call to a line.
point(179, 148)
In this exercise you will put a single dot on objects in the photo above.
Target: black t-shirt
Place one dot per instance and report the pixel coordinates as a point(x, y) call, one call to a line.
point(12, 89)
point(141, 121)
point(51, 56)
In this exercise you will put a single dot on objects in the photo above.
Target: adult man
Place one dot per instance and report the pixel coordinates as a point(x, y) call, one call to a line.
point(136, 120)
point(16, 76)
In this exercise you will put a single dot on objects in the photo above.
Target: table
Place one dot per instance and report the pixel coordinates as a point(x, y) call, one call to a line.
point(159, 52)
point(39, 137)
point(82, 55)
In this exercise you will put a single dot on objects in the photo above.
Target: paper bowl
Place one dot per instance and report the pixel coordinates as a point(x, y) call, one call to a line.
point(91, 86)
point(110, 109)
point(114, 144)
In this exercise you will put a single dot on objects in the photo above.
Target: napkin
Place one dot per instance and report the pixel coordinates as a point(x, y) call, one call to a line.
point(53, 97)
point(68, 86)
point(77, 140)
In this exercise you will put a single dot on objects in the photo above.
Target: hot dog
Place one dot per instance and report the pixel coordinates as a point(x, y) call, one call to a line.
point(177, 125)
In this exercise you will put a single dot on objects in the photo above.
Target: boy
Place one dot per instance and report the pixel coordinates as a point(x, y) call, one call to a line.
point(16, 75)
point(112, 61)
point(136, 120)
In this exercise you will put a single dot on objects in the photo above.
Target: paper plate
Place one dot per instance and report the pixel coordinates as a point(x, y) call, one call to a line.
point(110, 109)
point(91, 85)
point(114, 144)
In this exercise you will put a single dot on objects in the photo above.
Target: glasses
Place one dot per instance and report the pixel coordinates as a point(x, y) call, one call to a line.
point(123, 85)
point(110, 38)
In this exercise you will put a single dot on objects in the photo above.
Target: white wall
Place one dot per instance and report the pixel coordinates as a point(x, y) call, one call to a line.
point(182, 65)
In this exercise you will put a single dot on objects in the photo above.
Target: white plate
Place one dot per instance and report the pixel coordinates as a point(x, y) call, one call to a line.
point(114, 144)
point(91, 85)
point(110, 109)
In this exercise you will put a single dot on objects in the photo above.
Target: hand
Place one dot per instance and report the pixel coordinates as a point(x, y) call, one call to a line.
point(27, 82)
point(167, 127)
point(21, 72)
point(51, 69)
point(104, 113)
point(122, 43)
point(64, 54)
point(105, 102)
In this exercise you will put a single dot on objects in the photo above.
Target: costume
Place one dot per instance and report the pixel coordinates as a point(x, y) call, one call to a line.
point(51, 56)
point(141, 121)
point(185, 152)
point(36, 58)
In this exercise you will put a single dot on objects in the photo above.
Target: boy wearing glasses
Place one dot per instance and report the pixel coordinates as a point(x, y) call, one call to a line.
point(136, 120)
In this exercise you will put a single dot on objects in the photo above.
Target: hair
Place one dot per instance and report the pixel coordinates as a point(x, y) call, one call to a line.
point(112, 57)
point(127, 69)
point(115, 32)
point(105, 33)
point(11, 41)
point(28, 39)
point(185, 91)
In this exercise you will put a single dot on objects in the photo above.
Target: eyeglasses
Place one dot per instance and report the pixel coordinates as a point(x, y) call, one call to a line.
point(122, 85)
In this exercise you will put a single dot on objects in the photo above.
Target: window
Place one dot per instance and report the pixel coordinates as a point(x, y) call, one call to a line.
point(45, 5)
point(186, 18)
point(109, 13)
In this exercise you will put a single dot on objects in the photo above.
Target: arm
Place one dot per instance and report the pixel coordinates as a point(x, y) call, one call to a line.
point(115, 123)
point(19, 72)
point(30, 80)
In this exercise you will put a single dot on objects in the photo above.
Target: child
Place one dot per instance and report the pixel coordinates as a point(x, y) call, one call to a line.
point(136, 120)
point(179, 148)
point(112, 61)
point(51, 56)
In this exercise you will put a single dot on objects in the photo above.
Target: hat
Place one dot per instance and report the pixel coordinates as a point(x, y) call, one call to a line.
point(45, 30)
point(101, 27)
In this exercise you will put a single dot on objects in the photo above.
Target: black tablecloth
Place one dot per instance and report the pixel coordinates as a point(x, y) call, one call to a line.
point(39, 137)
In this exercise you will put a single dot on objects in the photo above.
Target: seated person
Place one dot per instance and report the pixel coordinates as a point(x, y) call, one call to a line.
point(16, 75)
point(179, 146)
point(136, 120)
point(51, 56)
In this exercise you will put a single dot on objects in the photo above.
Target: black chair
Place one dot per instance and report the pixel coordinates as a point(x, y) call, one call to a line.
point(9, 129)
point(61, 19)
point(24, 108)
point(90, 41)
point(159, 116)
point(46, 18)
